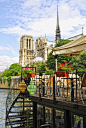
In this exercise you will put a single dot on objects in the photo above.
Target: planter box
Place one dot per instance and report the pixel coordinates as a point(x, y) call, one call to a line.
point(31, 75)
point(61, 73)
point(28, 75)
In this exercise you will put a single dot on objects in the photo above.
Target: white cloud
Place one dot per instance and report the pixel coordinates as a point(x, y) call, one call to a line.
point(37, 28)
point(4, 48)
point(6, 61)
point(39, 17)
point(81, 3)
point(29, 3)
point(11, 49)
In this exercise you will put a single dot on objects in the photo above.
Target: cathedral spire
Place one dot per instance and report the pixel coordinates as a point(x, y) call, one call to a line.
point(57, 27)
point(58, 36)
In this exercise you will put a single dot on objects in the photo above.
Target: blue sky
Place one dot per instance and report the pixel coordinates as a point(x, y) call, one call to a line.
point(36, 17)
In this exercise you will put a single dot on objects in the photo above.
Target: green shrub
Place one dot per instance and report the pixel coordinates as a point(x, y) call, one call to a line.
point(4, 80)
point(1, 80)
point(9, 80)
point(49, 72)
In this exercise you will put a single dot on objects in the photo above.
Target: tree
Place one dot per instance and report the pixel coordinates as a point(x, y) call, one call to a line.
point(5, 73)
point(50, 63)
point(62, 42)
point(82, 58)
point(27, 65)
point(81, 63)
point(40, 66)
point(14, 70)
point(51, 60)
point(62, 59)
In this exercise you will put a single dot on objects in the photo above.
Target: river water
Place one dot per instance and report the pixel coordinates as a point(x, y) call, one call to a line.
point(3, 95)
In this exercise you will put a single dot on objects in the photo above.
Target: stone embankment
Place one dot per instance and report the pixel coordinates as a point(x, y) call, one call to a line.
point(5, 85)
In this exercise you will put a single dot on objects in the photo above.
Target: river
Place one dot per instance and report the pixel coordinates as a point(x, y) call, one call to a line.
point(3, 95)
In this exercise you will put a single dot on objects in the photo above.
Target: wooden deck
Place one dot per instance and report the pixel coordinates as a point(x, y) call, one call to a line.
point(63, 97)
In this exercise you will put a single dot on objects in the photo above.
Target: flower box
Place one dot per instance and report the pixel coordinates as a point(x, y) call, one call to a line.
point(32, 74)
point(28, 75)
point(61, 73)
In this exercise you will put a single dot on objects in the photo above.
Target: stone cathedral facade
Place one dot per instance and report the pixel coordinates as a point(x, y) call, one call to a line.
point(42, 47)
point(26, 52)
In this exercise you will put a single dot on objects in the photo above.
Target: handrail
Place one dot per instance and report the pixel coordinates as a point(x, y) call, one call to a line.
point(63, 89)
point(13, 93)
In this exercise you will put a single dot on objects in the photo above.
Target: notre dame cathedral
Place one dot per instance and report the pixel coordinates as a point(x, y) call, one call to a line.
point(42, 46)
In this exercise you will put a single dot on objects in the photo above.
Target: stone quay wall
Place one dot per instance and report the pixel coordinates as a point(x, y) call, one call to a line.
point(5, 86)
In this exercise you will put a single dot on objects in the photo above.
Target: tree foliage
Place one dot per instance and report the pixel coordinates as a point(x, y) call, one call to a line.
point(14, 70)
point(50, 63)
point(27, 65)
point(51, 59)
point(40, 66)
point(62, 42)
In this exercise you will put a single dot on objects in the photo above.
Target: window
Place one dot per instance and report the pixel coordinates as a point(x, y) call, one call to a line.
point(27, 44)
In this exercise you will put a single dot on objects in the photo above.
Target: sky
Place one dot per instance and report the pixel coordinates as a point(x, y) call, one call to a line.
point(35, 18)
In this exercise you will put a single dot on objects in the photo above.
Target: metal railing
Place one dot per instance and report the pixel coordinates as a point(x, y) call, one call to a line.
point(59, 88)
point(12, 95)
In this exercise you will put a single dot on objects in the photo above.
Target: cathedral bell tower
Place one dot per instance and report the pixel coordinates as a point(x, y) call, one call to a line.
point(58, 36)
point(26, 52)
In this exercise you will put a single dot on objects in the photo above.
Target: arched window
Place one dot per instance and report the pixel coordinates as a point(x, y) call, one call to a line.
point(27, 44)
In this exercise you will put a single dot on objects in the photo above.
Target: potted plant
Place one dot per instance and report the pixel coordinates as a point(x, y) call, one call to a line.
point(64, 69)
point(27, 73)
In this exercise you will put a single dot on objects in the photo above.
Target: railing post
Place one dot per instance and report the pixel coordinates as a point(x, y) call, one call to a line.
point(43, 91)
point(53, 118)
point(34, 115)
point(54, 88)
point(44, 114)
point(76, 83)
point(84, 122)
point(67, 119)
point(72, 90)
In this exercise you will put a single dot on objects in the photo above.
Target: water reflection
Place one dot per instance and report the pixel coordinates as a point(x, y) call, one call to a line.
point(3, 95)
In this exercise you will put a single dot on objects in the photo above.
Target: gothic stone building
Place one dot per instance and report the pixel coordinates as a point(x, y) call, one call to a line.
point(43, 47)
point(26, 52)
